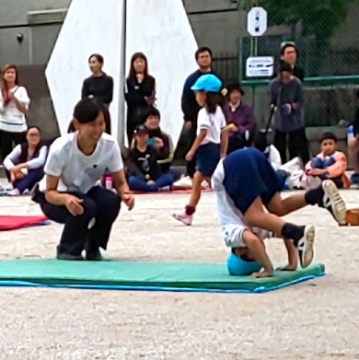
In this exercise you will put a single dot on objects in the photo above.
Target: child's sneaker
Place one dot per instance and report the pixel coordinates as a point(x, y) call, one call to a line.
point(183, 217)
point(305, 246)
point(333, 202)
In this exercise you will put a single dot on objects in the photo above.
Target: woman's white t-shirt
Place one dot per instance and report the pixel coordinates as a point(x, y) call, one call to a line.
point(213, 123)
point(11, 118)
point(78, 172)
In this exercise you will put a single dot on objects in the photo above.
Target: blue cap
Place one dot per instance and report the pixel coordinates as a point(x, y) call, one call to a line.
point(207, 83)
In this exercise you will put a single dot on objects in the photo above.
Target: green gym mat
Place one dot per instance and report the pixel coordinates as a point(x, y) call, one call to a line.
point(115, 275)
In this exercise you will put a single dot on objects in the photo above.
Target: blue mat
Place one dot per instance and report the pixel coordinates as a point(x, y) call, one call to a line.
point(136, 276)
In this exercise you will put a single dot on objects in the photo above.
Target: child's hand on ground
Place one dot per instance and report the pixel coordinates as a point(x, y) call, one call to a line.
point(189, 155)
point(262, 274)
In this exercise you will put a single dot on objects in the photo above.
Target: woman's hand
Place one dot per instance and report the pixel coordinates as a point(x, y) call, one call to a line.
point(159, 143)
point(129, 200)
point(73, 205)
point(232, 128)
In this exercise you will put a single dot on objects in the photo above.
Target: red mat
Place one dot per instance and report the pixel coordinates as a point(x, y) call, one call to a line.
point(18, 222)
point(169, 192)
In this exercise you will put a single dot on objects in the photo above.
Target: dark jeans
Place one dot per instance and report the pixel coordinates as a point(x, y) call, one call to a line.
point(29, 181)
point(100, 204)
point(6, 142)
point(318, 163)
point(296, 142)
point(137, 183)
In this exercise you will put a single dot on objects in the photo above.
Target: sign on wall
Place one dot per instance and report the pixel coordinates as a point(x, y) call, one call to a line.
point(260, 66)
point(257, 21)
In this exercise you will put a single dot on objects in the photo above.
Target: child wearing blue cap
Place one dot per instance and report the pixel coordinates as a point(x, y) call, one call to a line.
point(211, 141)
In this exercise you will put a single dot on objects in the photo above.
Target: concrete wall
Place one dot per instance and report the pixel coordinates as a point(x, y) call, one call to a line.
point(37, 40)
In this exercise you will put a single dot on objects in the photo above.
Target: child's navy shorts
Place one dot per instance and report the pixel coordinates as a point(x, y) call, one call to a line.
point(248, 175)
point(208, 156)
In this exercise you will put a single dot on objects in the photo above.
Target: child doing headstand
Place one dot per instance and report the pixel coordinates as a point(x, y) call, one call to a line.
point(247, 191)
point(211, 141)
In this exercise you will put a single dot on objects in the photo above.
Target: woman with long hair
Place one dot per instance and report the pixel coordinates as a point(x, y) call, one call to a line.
point(140, 91)
point(26, 162)
point(14, 103)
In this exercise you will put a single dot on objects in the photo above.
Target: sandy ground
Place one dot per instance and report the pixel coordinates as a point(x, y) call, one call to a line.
point(313, 320)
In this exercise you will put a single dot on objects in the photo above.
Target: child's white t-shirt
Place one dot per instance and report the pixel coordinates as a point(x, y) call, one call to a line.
point(231, 219)
point(77, 171)
point(213, 123)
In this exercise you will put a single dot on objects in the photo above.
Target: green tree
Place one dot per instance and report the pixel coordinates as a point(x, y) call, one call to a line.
point(317, 17)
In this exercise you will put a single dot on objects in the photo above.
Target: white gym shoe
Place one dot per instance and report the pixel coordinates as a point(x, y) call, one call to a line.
point(333, 202)
point(14, 192)
point(305, 246)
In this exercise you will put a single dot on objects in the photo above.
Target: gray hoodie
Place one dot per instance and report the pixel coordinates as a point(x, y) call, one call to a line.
point(281, 94)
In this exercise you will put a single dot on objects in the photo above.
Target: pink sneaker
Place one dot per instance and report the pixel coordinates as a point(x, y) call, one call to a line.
point(183, 217)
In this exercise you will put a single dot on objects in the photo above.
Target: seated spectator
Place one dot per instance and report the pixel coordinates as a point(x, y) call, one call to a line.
point(144, 172)
point(329, 164)
point(242, 124)
point(25, 163)
point(272, 154)
point(160, 140)
point(269, 150)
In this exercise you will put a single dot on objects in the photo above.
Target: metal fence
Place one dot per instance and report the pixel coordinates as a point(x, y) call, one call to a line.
point(325, 34)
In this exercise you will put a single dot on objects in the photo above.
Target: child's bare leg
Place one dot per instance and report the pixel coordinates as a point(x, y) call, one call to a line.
point(326, 196)
point(292, 256)
point(196, 190)
point(282, 207)
point(302, 236)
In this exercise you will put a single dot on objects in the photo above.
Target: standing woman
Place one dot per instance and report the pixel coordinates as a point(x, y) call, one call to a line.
point(14, 103)
point(140, 91)
point(69, 193)
point(99, 84)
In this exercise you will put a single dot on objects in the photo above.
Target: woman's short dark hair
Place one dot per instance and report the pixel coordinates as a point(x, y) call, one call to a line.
point(87, 110)
point(98, 57)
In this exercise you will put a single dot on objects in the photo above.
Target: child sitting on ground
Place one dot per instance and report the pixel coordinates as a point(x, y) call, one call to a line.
point(144, 173)
point(328, 164)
